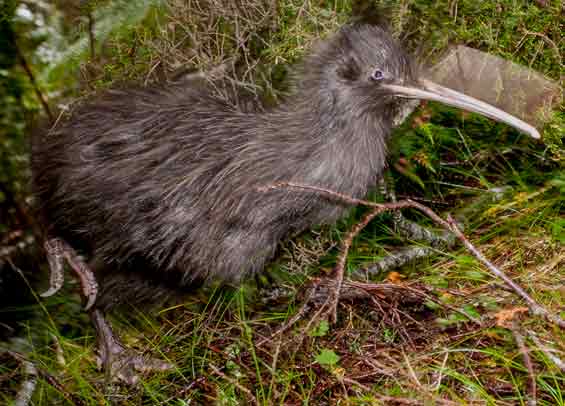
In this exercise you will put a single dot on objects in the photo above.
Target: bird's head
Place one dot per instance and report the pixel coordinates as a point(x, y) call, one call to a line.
point(365, 70)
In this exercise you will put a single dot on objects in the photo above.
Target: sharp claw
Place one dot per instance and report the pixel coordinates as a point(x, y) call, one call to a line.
point(120, 362)
point(87, 282)
point(151, 364)
point(131, 380)
point(51, 291)
point(90, 302)
point(86, 277)
point(59, 251)
point(53, 248)
point(126, 365)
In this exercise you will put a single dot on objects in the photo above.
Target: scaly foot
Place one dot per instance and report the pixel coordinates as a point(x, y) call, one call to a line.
point(119, 362)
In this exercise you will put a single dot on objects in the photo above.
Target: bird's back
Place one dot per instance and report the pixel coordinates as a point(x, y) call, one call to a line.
point(168, 178)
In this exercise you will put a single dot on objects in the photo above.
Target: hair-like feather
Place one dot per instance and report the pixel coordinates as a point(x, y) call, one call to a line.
point(158, 185)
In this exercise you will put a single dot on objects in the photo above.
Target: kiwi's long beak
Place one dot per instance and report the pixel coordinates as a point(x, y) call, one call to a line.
point(429, 90)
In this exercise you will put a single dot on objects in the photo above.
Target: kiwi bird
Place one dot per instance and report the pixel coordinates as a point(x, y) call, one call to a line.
point(158, 186)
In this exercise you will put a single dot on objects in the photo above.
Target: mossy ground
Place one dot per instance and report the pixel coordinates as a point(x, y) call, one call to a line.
point(414, 353)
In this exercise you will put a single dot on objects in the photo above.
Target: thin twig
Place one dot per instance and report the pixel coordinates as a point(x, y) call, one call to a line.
point(391, 400)
point(450, 224)
point(548, 41)
point(23, 398)
point(31, 370)
point(340, 266)
point(411, 372)
point(274, 365)
point(547, 351)
point(352, 381)
point(534, 307)
point(524, 350)
point(59, 354)
point(242, 388)
point(303, 310)
point(440, 375)
point(31, 77)
point(91, 39)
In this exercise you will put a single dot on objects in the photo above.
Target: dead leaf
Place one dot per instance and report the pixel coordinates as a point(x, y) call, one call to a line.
point(395, 277)
point(505, 317)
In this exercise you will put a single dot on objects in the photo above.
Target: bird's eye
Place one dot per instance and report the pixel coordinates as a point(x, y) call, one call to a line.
point(377, 75)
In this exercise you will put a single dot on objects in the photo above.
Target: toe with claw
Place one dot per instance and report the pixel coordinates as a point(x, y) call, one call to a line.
point(58, 251)
point(121, 363)
point(124, 364)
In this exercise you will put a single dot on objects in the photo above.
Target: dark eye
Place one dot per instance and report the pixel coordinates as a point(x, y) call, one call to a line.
point(377, 75)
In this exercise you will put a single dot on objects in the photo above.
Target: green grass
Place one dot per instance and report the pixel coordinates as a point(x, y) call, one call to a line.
point(430, 351)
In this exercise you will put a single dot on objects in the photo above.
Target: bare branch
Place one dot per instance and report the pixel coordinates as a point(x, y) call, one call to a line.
point(235, 383)
point(34, 84)
point(547, 351)
point(525, 351)
point(449, 225)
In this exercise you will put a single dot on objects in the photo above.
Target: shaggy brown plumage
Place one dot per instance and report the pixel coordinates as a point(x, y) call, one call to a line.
point(158, 186)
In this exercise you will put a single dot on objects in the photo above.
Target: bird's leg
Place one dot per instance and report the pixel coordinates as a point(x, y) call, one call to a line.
point(118, 361)
point(58, 251)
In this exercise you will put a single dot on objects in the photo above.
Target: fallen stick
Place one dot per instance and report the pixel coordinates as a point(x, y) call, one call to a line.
point(449, 225)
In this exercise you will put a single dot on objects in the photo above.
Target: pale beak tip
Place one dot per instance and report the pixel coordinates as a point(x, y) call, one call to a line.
point(428, 90)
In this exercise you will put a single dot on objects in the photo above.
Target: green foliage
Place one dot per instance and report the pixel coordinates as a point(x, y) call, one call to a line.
point(506, 28)
point(18, 102)
point(558, 230)
point(327, 358)
point(115, 18)
point(321, 330)
point(554, 136)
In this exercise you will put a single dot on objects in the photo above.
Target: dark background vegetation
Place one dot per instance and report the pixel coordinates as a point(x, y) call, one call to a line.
point(507, 189)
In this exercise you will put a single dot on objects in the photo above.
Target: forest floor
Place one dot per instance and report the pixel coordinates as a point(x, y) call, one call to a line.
point(442, 330)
